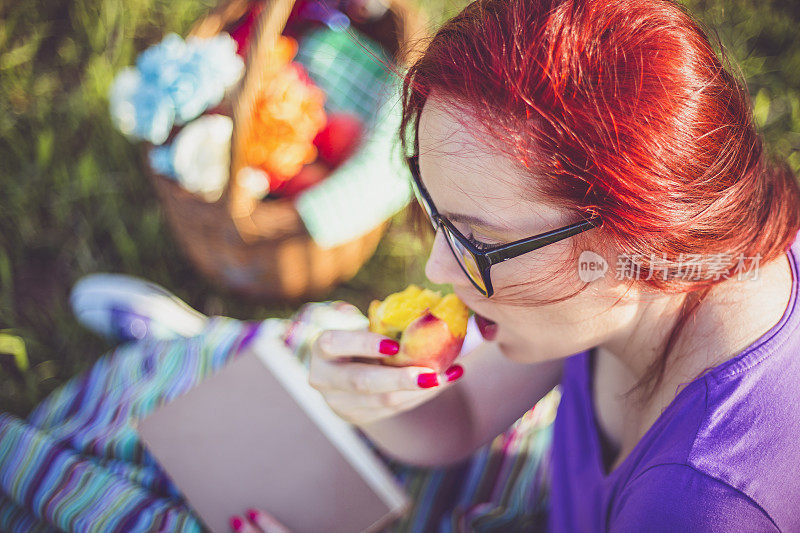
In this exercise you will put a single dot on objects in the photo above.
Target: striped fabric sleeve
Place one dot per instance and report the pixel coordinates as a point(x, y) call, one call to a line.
point(76, 463)
point(73, 492)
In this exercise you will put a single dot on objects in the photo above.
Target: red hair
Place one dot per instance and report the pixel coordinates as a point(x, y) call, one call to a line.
point(620, 108)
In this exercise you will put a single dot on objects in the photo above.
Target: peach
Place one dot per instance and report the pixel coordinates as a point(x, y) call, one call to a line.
point(429, 327)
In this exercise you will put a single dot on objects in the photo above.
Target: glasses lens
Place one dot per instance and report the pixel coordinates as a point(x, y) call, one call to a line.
point(465, 259)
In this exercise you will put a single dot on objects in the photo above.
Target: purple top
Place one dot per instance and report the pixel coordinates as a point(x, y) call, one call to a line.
point(723, 456)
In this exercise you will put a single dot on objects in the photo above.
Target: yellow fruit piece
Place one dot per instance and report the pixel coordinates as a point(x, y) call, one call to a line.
point(394, 314)
point(455, 314)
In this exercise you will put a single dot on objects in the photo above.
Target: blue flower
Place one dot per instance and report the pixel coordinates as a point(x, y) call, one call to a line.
point(173, 83)
point(217, 63)
point(161, 158)
point(159, 64)
point(139, 109)
point(176, 70)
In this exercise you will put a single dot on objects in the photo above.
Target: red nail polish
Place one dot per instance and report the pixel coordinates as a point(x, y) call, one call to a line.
point(252, 514)
point(389, 347)
point(454, 372)
point(236, 523)
point(427, 380)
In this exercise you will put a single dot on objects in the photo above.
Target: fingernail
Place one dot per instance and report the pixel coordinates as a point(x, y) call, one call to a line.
point(454, 372)
point(427, 380)
point(236, 523)
point(389, 347)
point(253, 515)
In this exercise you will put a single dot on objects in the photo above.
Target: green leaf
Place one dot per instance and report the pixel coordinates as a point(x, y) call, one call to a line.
point(761, 107)
point(794, 161)
point(794, 102)
point(19, 55)
point(44, 148)
point(6, 283)
point(15, 346)
point(87, 173)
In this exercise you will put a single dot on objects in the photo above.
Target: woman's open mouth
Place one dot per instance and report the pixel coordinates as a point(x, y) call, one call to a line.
point(488, 328)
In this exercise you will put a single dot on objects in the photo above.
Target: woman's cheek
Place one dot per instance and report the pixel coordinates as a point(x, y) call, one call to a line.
point(541, 332)
point(534, 280)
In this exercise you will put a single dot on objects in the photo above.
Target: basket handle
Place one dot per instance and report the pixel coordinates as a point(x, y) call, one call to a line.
point(271, 20)
point(225, 13)
point(260, 62)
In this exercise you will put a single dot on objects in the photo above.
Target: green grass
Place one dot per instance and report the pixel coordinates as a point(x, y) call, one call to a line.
point(74, 199)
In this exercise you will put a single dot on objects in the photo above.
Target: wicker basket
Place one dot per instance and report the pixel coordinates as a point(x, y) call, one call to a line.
point(261, 249)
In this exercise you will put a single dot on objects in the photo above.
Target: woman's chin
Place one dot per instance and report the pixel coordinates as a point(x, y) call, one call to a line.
point(512, 353)
point(516, 350)
point(523, 350)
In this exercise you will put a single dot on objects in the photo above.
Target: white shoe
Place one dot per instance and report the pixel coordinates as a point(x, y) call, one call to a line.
point(125, 308)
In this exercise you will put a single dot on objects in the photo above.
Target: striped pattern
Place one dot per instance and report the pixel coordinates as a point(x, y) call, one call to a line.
point(76, 463)
point(502, 487)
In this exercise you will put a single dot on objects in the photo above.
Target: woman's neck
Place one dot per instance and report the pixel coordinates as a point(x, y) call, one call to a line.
point(731, 317)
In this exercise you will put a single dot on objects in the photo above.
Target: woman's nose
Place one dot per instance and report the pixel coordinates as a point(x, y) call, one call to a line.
point(442, 267)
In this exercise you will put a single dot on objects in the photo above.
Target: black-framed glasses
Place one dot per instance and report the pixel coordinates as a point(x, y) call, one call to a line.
point(477, 262)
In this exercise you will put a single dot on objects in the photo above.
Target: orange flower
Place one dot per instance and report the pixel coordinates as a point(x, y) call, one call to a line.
point(287, 115)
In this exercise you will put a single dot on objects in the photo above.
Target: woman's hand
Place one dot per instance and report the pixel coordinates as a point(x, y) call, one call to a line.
point(257, 521)
point(364, 392)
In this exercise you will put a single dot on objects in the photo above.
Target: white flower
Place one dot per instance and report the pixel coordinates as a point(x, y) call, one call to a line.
point(255, 181)
point(202, 155)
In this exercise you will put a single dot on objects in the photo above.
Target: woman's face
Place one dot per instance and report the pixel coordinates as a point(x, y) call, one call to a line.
point(484, 194)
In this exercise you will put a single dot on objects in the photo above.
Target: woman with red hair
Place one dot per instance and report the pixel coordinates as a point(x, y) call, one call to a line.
point(603, 202)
